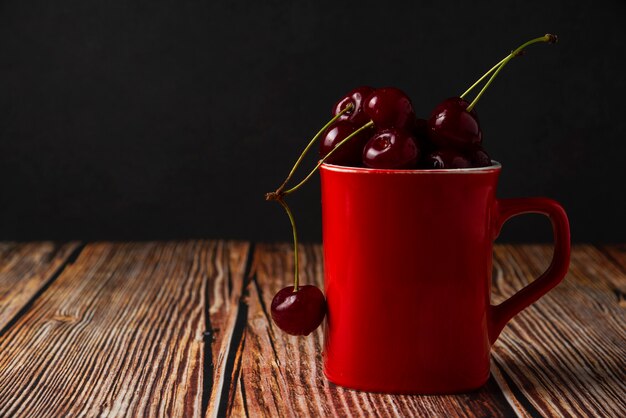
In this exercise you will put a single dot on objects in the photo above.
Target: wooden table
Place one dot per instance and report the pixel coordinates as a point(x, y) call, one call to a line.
point(182, 329)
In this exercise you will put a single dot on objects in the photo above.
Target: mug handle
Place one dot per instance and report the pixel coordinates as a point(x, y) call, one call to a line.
point(506, 209)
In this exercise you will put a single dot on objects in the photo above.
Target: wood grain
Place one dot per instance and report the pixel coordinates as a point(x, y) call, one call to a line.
point(120, 332)
point(617, 254)
point(25, 269)
point(225, 314)
point(281, 375)
point(566, 354)
point(183, 329)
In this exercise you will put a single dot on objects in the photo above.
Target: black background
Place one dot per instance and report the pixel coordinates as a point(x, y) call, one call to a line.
point(170, 119)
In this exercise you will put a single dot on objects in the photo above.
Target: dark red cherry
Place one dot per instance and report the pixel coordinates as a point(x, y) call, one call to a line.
point(301, 312)
point(357, 98)
point(392, 148)
point(389, 107)
point(451, 126)
point(445, 158)
point(348, 154)
point(479, 157)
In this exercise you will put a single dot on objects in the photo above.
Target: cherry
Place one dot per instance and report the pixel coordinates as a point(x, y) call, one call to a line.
point(445, 158)
point(451, 126)
point(299, 312)
point(357, 98)
point(392, 148)
point(479, 157)
point(389, 107)
point(349, 154)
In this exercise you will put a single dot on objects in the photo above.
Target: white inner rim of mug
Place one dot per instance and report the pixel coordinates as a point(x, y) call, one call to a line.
point(495, 166)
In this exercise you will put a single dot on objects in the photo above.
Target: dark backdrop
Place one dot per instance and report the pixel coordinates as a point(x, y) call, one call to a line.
point(170, 119)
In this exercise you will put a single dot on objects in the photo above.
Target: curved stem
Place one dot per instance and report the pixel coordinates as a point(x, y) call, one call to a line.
point(296, 277)
point(545, 38)
point(310, 144)
point(343, 141)
point(495, 67)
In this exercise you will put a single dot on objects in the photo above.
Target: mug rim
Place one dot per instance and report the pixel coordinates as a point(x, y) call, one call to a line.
point(494, 167)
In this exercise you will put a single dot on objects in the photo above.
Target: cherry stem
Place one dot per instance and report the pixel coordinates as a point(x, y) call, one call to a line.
point(343, 141)
point(545, 38)
point(296, 276)
point(349, 107)
point(495, 67)
point(279, 194)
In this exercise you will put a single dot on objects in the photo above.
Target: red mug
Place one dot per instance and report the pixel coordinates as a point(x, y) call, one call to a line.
point(407, 272)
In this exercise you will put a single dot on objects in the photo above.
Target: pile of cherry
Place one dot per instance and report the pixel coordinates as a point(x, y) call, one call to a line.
point(377, 128)
point(394, 138)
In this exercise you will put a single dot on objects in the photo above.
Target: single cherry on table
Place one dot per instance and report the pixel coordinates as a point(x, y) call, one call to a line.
point(298, 312)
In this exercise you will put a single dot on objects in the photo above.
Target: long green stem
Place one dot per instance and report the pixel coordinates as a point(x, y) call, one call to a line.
point(279, 194)
point(495, 67)
point(296, 275)
point(310, 144)
point(343, 141)
point(545, 38)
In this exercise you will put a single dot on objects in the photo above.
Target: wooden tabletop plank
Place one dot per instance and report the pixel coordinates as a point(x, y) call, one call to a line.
point(281, 375)
point(617, 253)
point(26, 269)
point(119, 332)
point(183, 328)
point(227, 313)
point(566, 354)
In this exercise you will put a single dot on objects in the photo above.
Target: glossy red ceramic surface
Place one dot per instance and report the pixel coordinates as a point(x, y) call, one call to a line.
point(408, 256)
